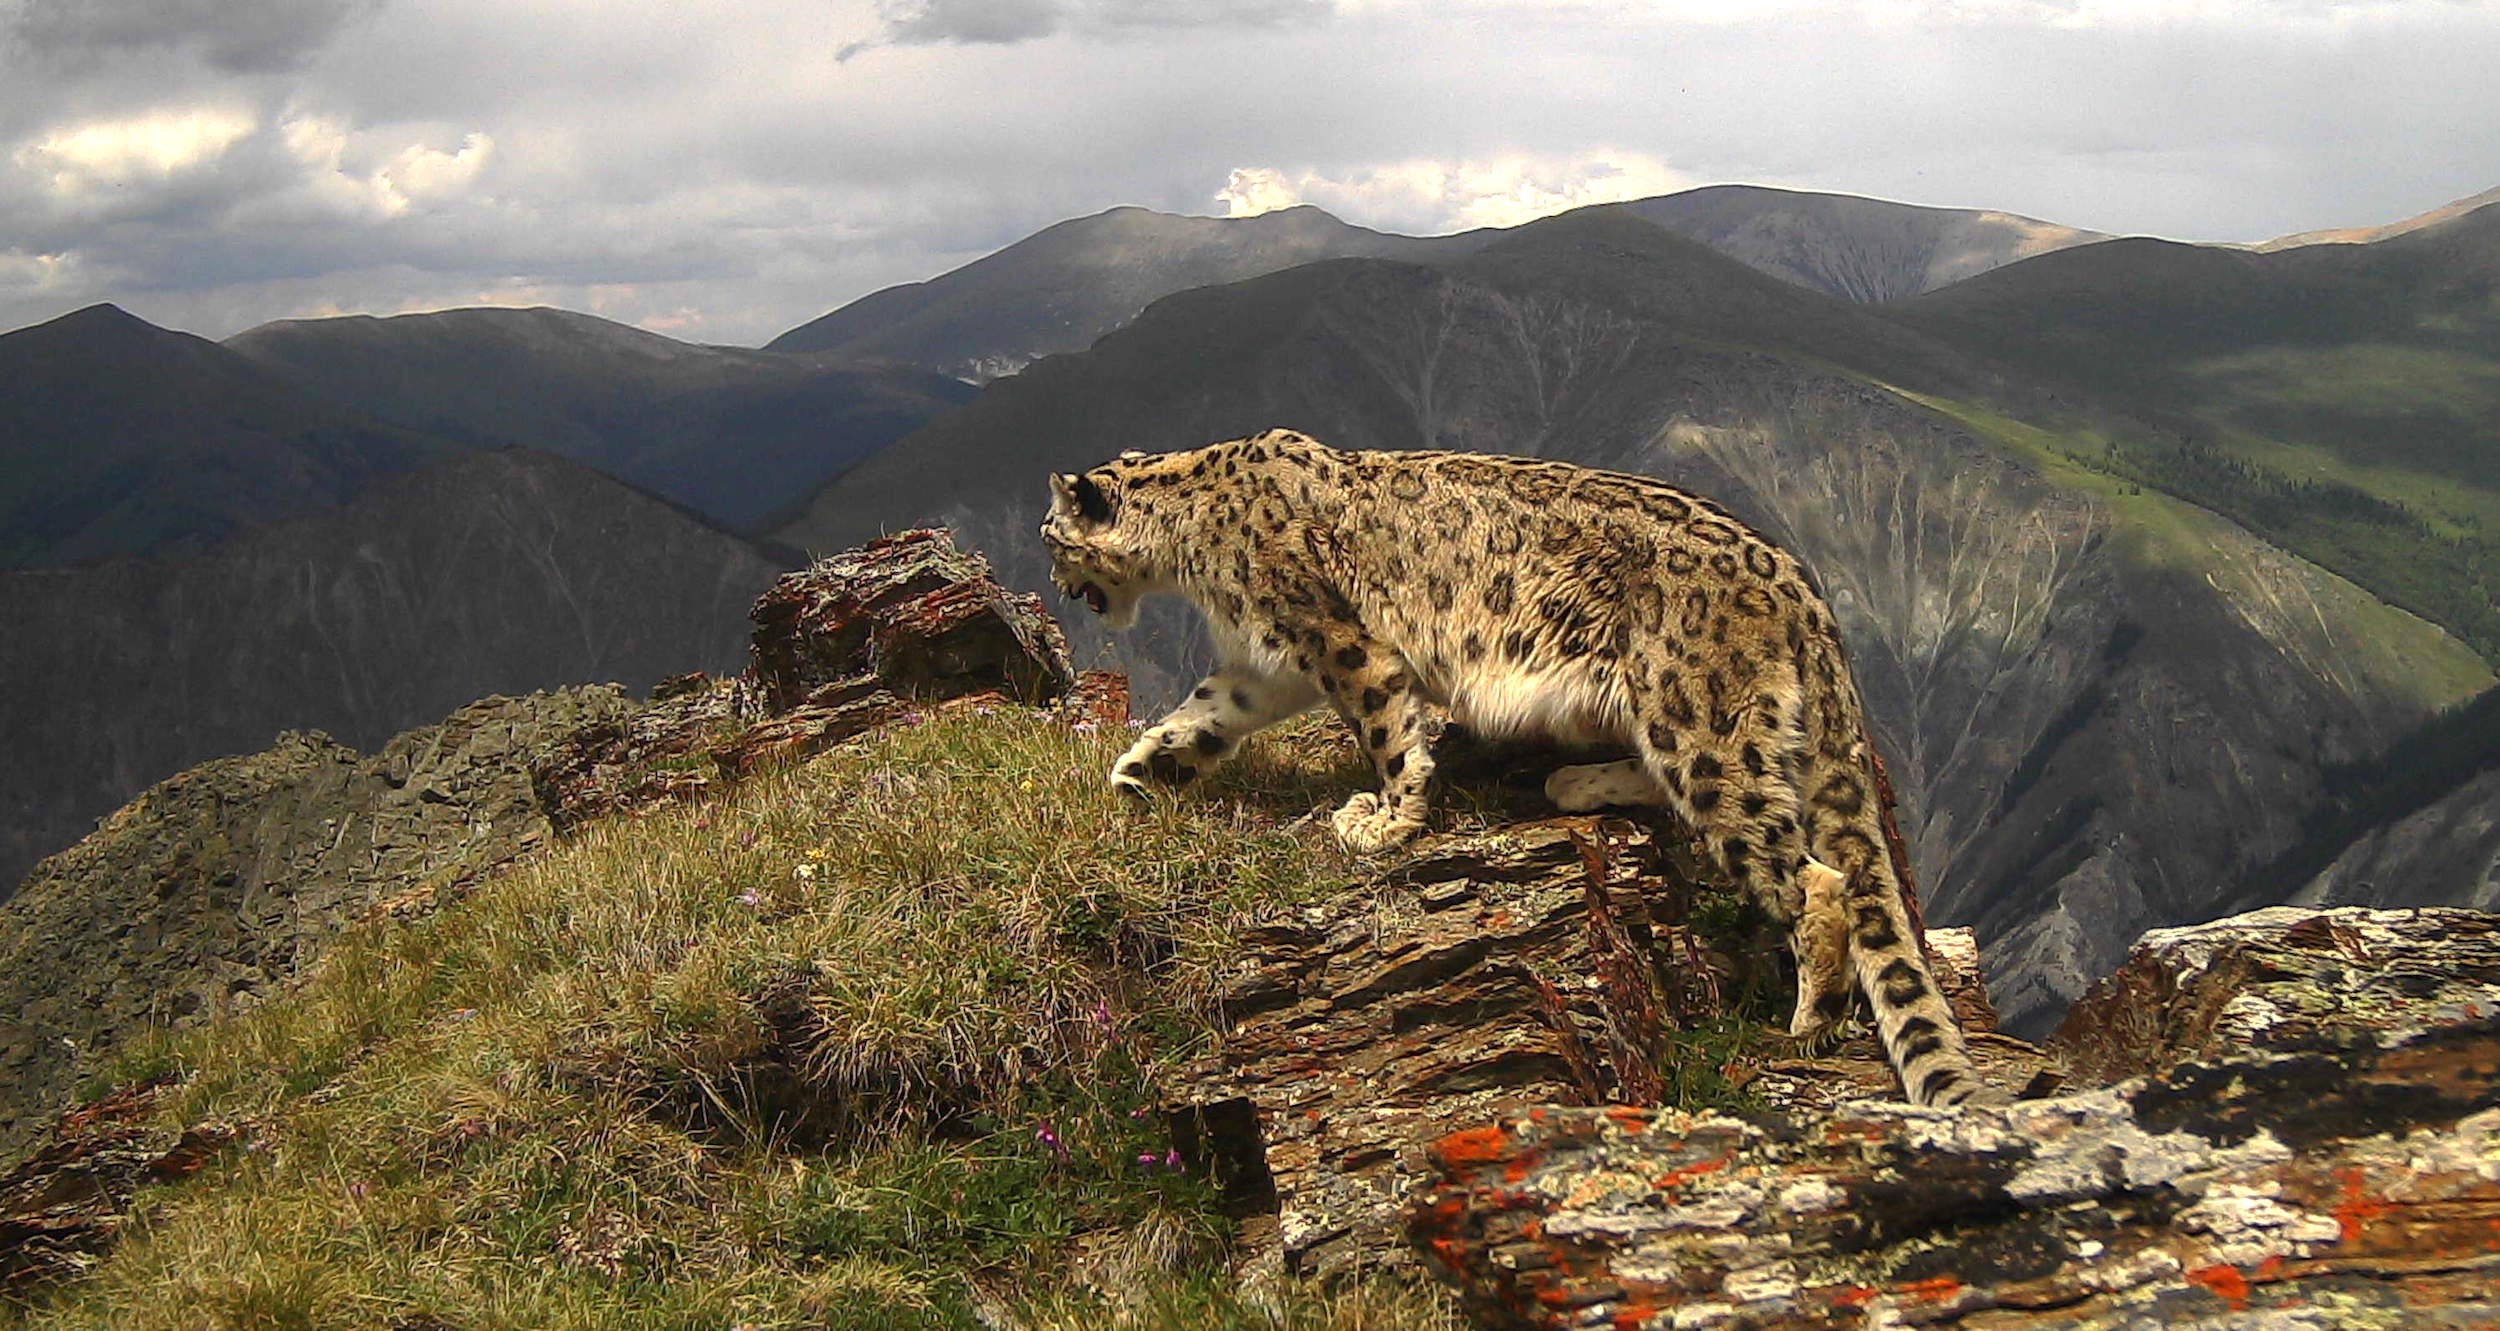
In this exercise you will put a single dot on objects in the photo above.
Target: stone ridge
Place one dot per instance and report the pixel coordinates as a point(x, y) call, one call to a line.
point(2276, 977)
point(197, 896)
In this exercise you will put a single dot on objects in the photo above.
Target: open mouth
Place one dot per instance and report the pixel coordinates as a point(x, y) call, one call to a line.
point(1095, 598)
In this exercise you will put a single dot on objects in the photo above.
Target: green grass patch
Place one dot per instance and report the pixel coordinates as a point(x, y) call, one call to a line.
point(2167, 494)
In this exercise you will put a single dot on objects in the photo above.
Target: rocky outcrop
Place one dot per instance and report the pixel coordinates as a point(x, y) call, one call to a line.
point(69, 1202)
point(852, 642)
point(1558, 962)
point(193, 899)
point(2317, 1144)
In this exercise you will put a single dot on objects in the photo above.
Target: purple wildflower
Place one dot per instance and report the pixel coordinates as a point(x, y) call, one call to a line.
point(1172, 1158)
point(1048, 1138)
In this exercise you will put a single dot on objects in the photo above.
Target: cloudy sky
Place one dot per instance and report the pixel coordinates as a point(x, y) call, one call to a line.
point(723, 169)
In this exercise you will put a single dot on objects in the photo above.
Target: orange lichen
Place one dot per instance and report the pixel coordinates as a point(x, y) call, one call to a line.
point(2358, 1207)
point(2225, 1281)
point(1628, 1118)
point(1474, 1146)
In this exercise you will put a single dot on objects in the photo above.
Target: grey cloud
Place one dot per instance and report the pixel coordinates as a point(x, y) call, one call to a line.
point(237, 36)
point(998, 22)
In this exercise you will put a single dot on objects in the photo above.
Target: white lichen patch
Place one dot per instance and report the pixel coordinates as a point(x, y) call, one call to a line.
point(2247, 1223)
point(1809, 1195)
point(2472, 1148)
point(2090, 1146)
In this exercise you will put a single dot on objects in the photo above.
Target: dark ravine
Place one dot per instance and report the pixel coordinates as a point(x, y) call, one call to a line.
point(490, 573)
point(2098, 713)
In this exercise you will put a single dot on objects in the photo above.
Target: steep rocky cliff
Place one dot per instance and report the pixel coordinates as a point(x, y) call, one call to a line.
point(490, 573)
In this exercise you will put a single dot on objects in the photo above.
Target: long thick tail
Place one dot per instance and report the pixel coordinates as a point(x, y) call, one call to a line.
point(1921, 1037)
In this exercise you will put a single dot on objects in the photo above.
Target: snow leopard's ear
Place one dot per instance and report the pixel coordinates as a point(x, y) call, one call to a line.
point(1080, 495)
point(1092, 501)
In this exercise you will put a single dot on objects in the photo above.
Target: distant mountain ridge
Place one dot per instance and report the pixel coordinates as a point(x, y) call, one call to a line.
point(1860, 249)
point(1068, 284)
point(491, 572)
point(733, 433)
point(1065, 285)
point(118, 437)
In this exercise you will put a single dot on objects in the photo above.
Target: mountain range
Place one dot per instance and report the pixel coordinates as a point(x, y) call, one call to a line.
point(2146, 552)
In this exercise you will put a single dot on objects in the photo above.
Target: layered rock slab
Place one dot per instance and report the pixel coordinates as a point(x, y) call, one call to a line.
point(2314, 1152)
point(1542, 963)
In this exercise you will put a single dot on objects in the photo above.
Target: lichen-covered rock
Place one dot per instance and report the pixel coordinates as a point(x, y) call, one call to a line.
point(911, 613)
point(1472, 982)
point(2335, 1168)
point(2281, 977)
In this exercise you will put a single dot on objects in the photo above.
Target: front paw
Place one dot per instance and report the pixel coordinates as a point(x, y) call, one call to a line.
point(1150, 762)
point(1367, 827)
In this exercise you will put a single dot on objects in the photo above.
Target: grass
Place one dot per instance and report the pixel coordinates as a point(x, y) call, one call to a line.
point(864, 1044)
point(2377, 548)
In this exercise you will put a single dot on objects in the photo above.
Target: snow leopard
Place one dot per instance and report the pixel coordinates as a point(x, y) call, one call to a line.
point(1527, 598)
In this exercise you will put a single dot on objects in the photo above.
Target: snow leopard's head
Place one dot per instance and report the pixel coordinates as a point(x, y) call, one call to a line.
point(1095, 556)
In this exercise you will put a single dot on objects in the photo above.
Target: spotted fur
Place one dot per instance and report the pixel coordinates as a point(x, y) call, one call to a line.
point(1521, 598)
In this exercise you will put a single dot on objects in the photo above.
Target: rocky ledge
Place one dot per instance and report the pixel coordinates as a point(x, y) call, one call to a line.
point(1565, 961)
point(2308, 1139)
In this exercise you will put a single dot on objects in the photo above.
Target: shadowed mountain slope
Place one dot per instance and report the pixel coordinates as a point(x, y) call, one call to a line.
point(489, 573)
point(2100, 707)
point(118, 437)
point(1861, 249)
point(735, 434)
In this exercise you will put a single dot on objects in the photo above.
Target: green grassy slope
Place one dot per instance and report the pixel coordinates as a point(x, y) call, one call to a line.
point(2340, 400)
point(866, 1044)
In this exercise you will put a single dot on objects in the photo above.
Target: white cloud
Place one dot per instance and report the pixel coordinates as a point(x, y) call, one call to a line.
point(1426, 197)
point(83, 160)
point(416, 174)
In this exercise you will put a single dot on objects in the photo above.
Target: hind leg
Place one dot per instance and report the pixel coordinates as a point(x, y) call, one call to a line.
point(1739, 802)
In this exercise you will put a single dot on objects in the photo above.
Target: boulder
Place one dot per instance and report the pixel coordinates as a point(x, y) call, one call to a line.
point(854, 641)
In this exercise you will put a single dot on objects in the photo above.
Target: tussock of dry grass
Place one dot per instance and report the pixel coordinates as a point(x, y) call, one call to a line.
point(862, 1044)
